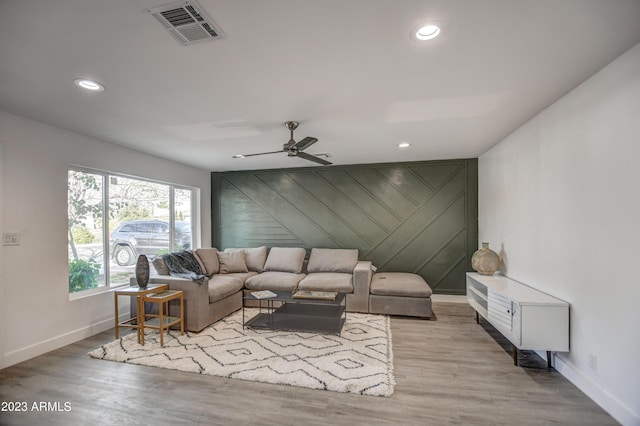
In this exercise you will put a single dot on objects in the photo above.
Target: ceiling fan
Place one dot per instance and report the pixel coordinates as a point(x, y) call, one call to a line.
point(293, 148)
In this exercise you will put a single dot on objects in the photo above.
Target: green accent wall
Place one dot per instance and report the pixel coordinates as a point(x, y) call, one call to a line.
point(418, 217)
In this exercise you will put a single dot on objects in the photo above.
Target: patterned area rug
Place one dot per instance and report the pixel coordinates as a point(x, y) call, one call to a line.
point(360, 360)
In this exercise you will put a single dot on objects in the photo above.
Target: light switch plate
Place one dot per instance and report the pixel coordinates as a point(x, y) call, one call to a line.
point(10, 239)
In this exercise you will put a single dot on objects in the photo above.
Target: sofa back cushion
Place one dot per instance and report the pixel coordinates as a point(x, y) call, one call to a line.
point(209, 259)
point(285, 259)
point(232, 261)
point(254, 257)
point(332, 260)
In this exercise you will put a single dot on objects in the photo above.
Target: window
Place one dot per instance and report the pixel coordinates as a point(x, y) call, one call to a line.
point(113, 219)
point(85, 231)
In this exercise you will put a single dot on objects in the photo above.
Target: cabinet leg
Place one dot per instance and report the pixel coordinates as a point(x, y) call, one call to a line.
point(549, 359)
point(477, 318)
point(514, 351)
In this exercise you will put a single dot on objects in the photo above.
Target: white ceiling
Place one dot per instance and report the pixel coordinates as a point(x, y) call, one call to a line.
point(346, 69)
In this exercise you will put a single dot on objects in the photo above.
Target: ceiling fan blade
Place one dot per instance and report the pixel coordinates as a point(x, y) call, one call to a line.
point(313, 158)
point(252, 155)
point(305, 143)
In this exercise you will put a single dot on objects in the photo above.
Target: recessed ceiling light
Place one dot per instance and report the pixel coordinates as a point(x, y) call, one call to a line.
point(404, 145)
point(427, 32)
point(87, 84)
point(238, 156)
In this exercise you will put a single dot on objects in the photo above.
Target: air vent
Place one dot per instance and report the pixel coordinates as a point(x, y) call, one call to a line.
point(187, 22)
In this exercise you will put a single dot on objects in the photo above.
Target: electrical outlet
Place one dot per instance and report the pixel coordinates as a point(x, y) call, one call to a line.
point(593, 362)
point(10, 239)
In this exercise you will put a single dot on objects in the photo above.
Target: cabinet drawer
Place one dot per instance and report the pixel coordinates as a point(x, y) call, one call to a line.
point(516, 324)
point(500, 311)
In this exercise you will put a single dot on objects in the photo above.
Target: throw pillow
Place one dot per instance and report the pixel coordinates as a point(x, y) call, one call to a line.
point(332, 260)
point(160, 266)
point(254, 257)
point(208, 257)
point(285, 259)
point(231, 262)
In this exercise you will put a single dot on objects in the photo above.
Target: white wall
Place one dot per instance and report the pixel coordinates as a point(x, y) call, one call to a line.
point(2, 297)
point(38, 315)
point(560, 198)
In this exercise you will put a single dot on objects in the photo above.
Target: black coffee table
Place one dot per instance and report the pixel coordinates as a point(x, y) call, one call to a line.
point(283, 312)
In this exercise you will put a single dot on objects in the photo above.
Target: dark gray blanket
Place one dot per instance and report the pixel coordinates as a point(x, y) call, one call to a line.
point(184, 264)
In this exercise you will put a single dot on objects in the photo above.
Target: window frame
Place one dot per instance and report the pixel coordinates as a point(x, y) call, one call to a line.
point(106, 182)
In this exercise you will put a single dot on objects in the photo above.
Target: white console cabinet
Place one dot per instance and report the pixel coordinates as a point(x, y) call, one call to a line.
point(529, 318)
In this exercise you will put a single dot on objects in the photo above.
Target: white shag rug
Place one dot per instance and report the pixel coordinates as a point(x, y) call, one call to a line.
point(360, 360)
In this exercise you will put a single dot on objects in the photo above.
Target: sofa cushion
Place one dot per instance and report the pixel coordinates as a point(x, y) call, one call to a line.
point(160, 266)
point(209, 259)
point(232, 261)
point(332, 260)
point(328, 281)
point(254, 257)
point(399, 284)
point(273, 280)
point(285, 259)
point(243, 276)
point(221, 286)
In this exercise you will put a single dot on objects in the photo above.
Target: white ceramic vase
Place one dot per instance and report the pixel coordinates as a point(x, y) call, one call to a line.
point(485, 260)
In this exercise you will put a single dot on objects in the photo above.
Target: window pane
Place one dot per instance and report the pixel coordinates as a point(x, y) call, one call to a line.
point(183, 227)
point(85, 231)
point(140, 205)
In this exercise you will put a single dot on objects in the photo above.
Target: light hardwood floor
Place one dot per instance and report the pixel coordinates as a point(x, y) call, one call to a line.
point(448, 371)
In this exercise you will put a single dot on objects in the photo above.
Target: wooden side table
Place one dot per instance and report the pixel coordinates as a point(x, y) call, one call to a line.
point(162, 320)
point(138, 293)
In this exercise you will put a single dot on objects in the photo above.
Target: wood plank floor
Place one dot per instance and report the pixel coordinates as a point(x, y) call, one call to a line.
point(448, 371)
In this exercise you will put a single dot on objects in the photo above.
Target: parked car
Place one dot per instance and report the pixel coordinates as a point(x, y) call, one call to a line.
point(148, 237)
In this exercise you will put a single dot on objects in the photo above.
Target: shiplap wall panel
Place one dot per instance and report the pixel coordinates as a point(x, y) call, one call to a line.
point(310, 207)
point(421, 220)
point(411, 217)
point(241, 214)
point(342, 206)
point(348, 186)
point(408, 182)
point(386, 193)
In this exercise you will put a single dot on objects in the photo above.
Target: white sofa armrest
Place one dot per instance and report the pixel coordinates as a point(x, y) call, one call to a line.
point(196, 298)
point(358, 301)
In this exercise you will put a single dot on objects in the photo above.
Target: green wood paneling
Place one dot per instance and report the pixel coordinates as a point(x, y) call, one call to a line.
point(367, 203)
point(415, 217)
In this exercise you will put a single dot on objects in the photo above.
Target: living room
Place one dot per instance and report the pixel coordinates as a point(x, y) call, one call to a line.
point(557, 183)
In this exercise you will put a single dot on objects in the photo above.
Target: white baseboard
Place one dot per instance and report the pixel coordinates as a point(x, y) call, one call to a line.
point(604, 399)
point(450, 298)
point(28, 352)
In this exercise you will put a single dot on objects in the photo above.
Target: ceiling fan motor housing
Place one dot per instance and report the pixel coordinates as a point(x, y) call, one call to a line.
point(290, 150)
point(291, 125)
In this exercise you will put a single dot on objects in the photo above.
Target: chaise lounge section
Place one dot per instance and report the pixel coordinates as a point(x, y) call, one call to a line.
point(400, 293)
